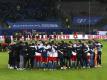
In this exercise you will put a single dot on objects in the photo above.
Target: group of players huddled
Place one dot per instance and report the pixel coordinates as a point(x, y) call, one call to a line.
point(55, 55)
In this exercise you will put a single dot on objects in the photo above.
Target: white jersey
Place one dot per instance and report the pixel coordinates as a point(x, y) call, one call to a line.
point(40, 46)
point(48, 47)
point(34, 47)
point(74, 53)
point(54, 52)
point(74, 45)
point(38, 54)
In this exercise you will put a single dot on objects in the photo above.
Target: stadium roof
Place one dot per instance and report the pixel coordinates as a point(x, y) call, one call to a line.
point(47, 0)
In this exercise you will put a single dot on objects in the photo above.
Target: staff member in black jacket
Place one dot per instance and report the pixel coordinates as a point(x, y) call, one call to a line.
point(26, 55)
point(31, 51)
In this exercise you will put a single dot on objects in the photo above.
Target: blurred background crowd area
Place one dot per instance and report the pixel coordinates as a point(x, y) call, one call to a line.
point(87, 16)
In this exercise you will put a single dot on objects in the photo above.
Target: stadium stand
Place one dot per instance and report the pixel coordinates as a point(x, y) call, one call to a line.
point(63, 11)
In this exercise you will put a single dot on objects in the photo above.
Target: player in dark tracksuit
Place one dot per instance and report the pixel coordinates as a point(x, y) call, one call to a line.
point(17, 51)
point(65, 51)
point(26, 55)
point(12, 57)
point(32, 51)
point(21, 56)
point(60, 55)
point(68, 55)
point(79, 55)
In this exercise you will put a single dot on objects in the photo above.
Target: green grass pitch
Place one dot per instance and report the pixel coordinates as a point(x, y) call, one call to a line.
point(83, 74)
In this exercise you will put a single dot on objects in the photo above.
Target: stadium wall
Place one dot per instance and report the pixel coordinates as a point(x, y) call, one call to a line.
point(62, 37)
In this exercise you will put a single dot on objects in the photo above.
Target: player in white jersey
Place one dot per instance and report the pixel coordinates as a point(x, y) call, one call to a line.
point(54, 56)
point(38, 56)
